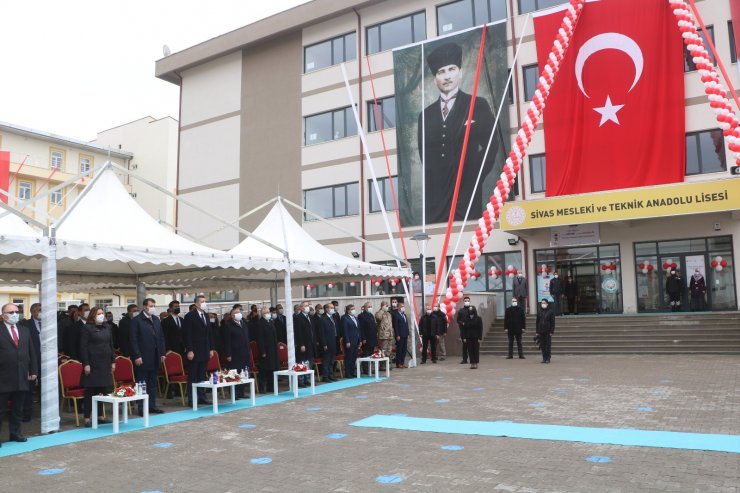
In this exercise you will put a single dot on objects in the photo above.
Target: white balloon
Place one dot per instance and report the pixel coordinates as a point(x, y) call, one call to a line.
point(718, 258)
point(511, 275)
point(719, 268)
point(510, 267)
point(647, 262)
point(644, 271)
point(669, 261)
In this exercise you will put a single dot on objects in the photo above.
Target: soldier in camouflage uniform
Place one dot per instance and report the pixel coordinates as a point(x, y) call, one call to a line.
point(385, 329)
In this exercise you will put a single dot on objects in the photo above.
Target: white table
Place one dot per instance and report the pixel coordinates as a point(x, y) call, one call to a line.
point(116, 401)
point(292, 380)
point(214, 390)
point(377, 362)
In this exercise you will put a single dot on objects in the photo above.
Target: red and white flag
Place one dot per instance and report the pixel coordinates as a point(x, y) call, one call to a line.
point(4, 174)
point(615, 115)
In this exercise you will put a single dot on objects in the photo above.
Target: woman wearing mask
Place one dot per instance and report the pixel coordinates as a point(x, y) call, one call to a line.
point(473, 336)
point(236, 345)
point(545, 329)
point(98, 360)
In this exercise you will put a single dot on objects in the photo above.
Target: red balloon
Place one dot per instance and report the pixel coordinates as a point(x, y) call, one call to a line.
point(666, 265)
point(604, 267)
point(548, 269)
point(674, 265)
point(723, 263)
point(642, 266)
point(613, 267)
point(650, 267)
point(713, 263)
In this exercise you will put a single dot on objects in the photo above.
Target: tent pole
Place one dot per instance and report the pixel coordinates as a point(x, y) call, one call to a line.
point(140, 292)
point(49, 361)
point(274, 295)
point(289, 320)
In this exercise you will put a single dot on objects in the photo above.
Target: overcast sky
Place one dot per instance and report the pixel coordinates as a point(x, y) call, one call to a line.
point(77, 67)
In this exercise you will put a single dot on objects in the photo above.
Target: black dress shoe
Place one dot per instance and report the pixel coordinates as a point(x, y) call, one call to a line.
point(509, 357)
point(463, 362)
point(18, 438)
point(156, 410)
point(522, 357)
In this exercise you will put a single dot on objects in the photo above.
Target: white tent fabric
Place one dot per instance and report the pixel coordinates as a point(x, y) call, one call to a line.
point(18, 240)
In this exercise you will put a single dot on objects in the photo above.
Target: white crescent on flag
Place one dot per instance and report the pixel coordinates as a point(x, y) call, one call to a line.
point(606, 41)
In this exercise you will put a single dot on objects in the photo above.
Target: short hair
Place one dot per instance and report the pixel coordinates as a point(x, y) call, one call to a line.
point(35, 306)
point(348, 308)
point(148, 300)
point(466, 298)
point(328, 305)
point(72, 307)
point(130, 307)
point(173, 303)
point(545, 300)
point(191, 307)
point(199, 297)
point(7, 305)
point(318, 305)
point(335, 303)
point(237, 305)
point(84, 304)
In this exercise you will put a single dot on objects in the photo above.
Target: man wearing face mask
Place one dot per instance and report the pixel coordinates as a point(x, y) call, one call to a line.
point(515, 324)
point(281, 323)
point(383, 320)
point(338, 322)
point(17, 367)
point(172, 327)
point(429, 327)
point(351, 331)
point(556, 291)
point(401, 333)
point(520, 290)
point(463, 316)
point(369, 330)
point(147, 351)
point(327, 342)
point(545, 329)
point(236, 345)
point(199, 346)
point(674, 288)
point(268, 345)
point(73, 334)
point(124, 329)
point(303, 332)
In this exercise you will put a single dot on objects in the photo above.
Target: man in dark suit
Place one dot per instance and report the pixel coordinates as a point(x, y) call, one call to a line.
point(368, 329)
point(64, 322)
point(18, 367)
point(401, 333)
point(73, 334)
point(172, 327)
point(515, 323)
point(124, 329)
point(199, 348)
point(34, 329)
point(463, 316)
point(268, 346)
point(327, 342)
point(303, 333)
point(352, 337)
point(442, 133)
point(237, 350)
point(281, 324)
point(338, 323)
point(147, 351)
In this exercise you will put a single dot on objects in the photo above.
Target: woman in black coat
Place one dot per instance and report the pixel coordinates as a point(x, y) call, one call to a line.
point(236, 344)
point(268, 347)
point(98, 360)
point(545, 329)
point(473, 336)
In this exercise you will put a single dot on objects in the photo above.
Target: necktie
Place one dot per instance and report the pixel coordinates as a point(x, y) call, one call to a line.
point(15, 335)
point(445, 108)
point(203, 316)
point(177, 322)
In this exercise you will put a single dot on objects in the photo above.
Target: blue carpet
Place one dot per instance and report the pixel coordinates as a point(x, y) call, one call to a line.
point(136, 423)
point(605, 436)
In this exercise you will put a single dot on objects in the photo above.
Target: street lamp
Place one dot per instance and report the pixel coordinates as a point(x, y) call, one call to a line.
point(421, 239)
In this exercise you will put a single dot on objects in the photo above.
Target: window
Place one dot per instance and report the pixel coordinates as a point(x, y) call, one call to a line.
point(25, 189)
point(705, 152)
point(510, 91)
point(55, 198)
point(537, 173)
point(387, 110)
point(463, 14)
point(334, 201)
point(531, 76)
point(385, 189)
point(398, 32)
point(85, 163)
point(526, 6)
point(330, 52)
point(733, 48)
point(331, 125)
point(688, 65)
point(57, 159)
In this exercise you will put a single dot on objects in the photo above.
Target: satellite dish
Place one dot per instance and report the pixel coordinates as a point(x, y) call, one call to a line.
point(166, 50)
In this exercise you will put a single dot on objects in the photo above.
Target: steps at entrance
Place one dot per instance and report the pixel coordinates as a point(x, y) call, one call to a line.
point(685, 333)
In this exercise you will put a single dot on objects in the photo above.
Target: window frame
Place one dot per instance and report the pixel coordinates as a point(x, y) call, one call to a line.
point(476, 22)
point(52, 203)
point(524, 80)
point(383, 183)
point(378, 25)
point(731, 35)
point(30, 189)
point(723, 155)
point(371, 113)
point(347, 113)
point(63, 159)
point(543, 172)
point(537, 6)
point(91, 162)
point(330, 41)
point(345, 187)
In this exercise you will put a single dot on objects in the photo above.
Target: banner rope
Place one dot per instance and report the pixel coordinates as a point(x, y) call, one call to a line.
point(466, 267)
point(713, 88)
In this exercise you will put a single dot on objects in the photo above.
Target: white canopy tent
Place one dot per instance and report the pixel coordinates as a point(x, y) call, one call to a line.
point(18, 242)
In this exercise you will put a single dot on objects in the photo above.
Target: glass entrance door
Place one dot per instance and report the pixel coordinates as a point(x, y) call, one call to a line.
point(586, 277)
point(685, 266)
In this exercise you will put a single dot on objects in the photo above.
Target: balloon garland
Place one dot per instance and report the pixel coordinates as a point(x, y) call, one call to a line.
point(713, 88)
point(506, 180)
point(718, 263)
point(646, 267)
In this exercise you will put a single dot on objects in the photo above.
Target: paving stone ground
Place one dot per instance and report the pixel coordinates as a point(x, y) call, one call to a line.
point(671, 393)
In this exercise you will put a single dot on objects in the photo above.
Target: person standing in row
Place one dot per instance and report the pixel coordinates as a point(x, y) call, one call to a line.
point(520, 290)
point(545, 329)
point(268, 346)
point(515, 323)
point(147, 351)
point(429, 327)
point(236, 345)
point(34, 329)
point(327, 341)
point(352, 337)
point(199, 346)
point(401, 333)
point(441, 346)
point(304, 340)
point(556, 291)
point(17, 368)
point(98, 360)
point(384, 321)
point(674, 288)
point(571, 295)
point(172, 327)
point(368, 329)
point(473, 335)
point(124, 329)
point(697, 288)
point(462, 319)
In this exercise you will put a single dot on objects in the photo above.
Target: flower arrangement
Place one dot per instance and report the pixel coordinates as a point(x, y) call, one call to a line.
point(229, 376)
point(378, 354)
point(300, 367)
point(124, 391)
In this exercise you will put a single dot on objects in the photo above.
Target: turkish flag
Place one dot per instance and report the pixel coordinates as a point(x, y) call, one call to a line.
point(615, 115)
point(4, 174)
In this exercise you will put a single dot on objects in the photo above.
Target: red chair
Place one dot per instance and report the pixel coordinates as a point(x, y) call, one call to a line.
point(339, 359)
point(283, 356)
point(253, 369)
point(316, 363)
point(174, 374)
point(214, 364)
point(124, 372)
point(70, 380)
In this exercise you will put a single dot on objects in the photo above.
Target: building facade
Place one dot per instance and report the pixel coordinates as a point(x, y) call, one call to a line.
point(264, 111)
